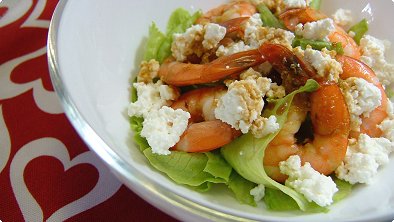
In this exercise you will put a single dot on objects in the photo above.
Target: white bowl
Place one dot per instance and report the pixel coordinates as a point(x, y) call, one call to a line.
point(95, 46)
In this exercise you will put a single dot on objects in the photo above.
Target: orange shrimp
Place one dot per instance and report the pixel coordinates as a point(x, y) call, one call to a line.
point(281, 58)
point(204, 132)
point(293, 17)
point(354, 68)
point(227, 12)
point(327, 149)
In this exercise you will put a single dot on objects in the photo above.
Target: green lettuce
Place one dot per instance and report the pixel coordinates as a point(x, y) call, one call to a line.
point(315, 4)
point(344, 189)
point(158, 45)
point(268, 18)
point(241, 188)
point(278, 201)
point(359, 30)
point(197, 170)
point(245, 154)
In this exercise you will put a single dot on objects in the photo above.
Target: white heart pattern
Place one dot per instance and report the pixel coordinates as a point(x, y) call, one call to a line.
point(33, 21)
point(5, 142)
point(47, 101)
point(18, 8)
point(106, 186)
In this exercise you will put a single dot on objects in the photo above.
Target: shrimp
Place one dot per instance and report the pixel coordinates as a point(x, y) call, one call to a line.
point(354, 68)
point(227, 12)
point(282, 59)
point(331, 125)
point(293, 17)
point(204, 132)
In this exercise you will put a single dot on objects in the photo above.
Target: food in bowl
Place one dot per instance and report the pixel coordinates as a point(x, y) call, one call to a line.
point(273, 99)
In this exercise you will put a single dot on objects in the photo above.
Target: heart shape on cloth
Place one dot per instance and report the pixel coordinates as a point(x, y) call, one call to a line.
point(5, 142)
point(53, 187)
point(105, 187)
point(46, 100)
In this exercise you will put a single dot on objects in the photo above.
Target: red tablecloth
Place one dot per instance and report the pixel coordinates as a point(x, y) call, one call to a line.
point(46, 171)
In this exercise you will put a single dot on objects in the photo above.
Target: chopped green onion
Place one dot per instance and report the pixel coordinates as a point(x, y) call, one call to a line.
point(337, 46)
point(268, 18)
point(318, 44)
point(359, 30)
point(315, 4)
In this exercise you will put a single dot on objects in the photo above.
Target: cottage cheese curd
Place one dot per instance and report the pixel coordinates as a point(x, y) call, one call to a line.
point(361, 98)
point(258, 192)
point(325, 65)
point(295, 3)
point(314, 186)
point(318, 30)
point(196, 40)
point(151, 97)
point(343, 17)
point(163, 128)
point(363, 157)
point(373, 54)
point(241, 106)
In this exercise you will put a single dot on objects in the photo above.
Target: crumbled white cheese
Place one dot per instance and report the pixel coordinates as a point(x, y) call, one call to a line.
point(343, 17)
point(214, 33)
point(276, 36)
point(196, 40)
point(263, 126)
point(163, 128)
point(295, 3)
point(323, 63)
point(276, 92)
point(243, 102)
point(252, 26)
point(313, 185)
point(317, 30)
point(183, 43)
point(232, 48)
point(363, 157)
point(387, 125)
point(373, 54)
point(148, 71)
point(151, 97)
point(361, 98)
point(255, 35)
point(357, 168)
point(258, 192)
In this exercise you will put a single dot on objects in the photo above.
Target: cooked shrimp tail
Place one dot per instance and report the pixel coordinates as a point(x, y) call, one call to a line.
point(183, 74)
point(331, 126)
point(293, 17)
point(281, 58)
point(204, 132)
point(354, 68)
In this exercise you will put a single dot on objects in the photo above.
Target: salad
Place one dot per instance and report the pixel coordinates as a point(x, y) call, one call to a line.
point(274, 99)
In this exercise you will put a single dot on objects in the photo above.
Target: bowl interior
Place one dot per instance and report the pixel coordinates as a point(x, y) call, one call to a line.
point(99, 47)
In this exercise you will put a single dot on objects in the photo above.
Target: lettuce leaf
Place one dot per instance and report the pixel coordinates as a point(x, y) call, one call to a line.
point(344, 189)
point(193, 169)
point(136, 126)
point(245, 154)
point(359, 30)
point(155, 40)
point(278, 201)
point(197, 170)
point(158, 46)
point(241, 188)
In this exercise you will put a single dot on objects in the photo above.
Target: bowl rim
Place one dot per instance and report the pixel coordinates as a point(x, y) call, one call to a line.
point(117, 165)
point(141, 185)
